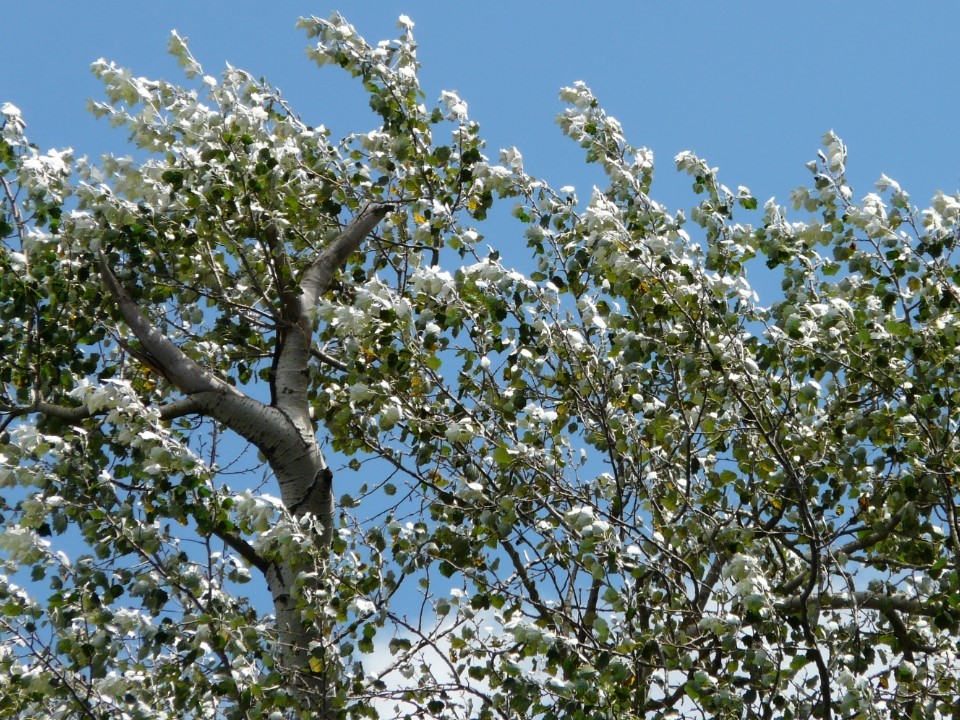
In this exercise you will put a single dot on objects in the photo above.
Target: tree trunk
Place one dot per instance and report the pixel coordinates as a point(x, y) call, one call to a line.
point(306, 490)
point(284, 432)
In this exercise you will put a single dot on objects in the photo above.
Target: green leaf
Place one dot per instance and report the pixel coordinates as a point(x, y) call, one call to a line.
point(501, 456)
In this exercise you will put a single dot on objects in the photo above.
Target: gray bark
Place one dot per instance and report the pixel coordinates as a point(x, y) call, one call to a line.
point(283, 431)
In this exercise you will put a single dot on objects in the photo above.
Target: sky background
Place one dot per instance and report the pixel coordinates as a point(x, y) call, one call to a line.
point(750, 86)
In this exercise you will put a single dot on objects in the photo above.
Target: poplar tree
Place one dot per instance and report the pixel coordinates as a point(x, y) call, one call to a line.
point(285, 435)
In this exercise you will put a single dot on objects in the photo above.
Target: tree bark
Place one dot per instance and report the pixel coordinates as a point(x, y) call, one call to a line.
point(284, 432)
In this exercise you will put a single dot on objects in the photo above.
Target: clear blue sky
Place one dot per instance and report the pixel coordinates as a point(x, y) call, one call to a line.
point(751, 86)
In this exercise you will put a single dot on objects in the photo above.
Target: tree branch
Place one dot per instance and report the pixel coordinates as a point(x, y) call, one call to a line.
point(178, 408)
point(873, 538)
point(861, 543)
point(907, 644)
point(328, 360)
point(864, 600)
point(210, 395)
point(290, 366)
point(243, 549)
point(76, 414)
point(185, 374)
point(317, 278)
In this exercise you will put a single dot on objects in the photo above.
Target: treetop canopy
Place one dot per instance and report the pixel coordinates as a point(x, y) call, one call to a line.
point(612, 481)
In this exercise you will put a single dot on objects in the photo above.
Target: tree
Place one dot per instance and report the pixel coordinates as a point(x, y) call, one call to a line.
point(615, 485)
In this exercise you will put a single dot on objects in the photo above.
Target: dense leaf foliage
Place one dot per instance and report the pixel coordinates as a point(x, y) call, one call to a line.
point(611, 483)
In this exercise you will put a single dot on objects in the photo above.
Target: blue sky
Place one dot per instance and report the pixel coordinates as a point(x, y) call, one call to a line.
point(751, 86)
